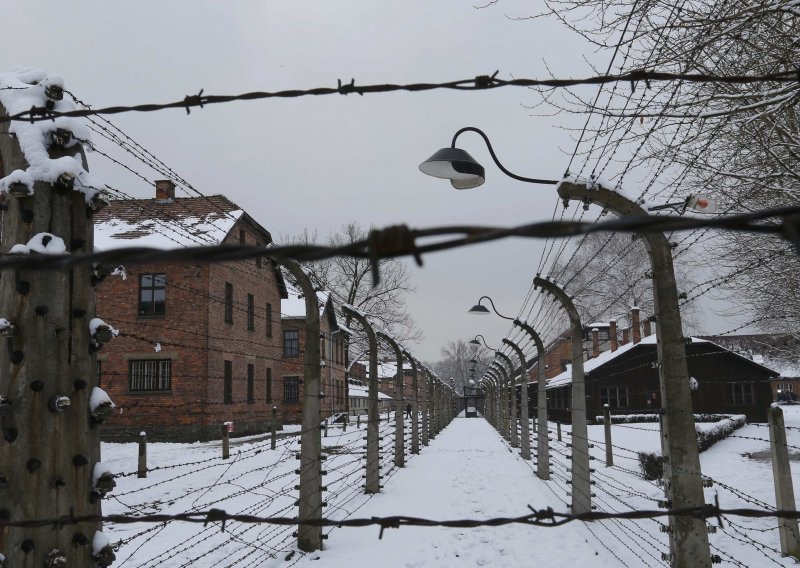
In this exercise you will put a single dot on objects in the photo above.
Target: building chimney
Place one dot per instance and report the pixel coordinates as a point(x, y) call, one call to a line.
point(165, 191)
point(635, 327)
point(595, 342)
point(646, 326)
point(625, 336)
point(612, 334)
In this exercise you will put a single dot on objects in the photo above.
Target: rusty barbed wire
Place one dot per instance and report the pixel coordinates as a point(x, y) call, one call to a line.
point(478, 83)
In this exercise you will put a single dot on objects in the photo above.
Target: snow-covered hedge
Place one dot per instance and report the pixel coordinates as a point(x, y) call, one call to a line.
point(651, 417)
point(726, 427)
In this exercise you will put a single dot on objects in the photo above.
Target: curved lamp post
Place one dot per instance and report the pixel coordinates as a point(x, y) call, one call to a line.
point(309, 537)
point(399, 441)
point(688, 536)
point(581, 485)
point(414, 404)
point(373, 458)
point(525, 442)
point(542, 440)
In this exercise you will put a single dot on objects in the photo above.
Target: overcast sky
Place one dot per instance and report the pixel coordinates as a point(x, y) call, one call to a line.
point(319, 163)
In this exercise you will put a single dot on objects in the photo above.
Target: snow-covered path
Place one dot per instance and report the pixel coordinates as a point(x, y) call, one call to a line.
point(467, 472)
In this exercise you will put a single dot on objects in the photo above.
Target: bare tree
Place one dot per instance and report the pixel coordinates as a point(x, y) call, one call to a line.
point(607, 274)
point(350, 281)
point(733, 142)
point(456, 362)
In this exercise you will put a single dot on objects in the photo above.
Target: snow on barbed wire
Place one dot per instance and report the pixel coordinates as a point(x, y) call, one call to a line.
point(22, 89)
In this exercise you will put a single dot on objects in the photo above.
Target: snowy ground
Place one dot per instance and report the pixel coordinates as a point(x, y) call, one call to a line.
point(468, 471)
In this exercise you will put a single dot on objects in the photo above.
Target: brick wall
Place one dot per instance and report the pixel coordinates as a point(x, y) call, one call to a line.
point(195, 338)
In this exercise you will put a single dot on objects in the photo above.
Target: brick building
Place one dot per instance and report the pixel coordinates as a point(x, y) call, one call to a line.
point(333, 352)
point(199, 343)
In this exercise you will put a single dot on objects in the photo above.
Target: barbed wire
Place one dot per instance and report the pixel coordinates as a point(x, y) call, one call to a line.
point(398, 241)
point(478, 83)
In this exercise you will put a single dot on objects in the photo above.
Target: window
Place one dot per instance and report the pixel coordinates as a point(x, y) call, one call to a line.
point(741, 394)
point(269, 384)
point(291, 343)
point(228, 302)
point(227, 386)
point(783, 387)
point(150, 375)
point(269, 320)
point(291, 389)
point(152, 294)
point(251, 384)
point(614, 397)
point(251, 313)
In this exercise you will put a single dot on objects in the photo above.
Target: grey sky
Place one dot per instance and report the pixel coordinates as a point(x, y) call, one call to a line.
point(321, 162)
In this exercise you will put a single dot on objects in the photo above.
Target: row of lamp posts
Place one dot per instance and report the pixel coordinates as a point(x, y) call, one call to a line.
point(689, 545)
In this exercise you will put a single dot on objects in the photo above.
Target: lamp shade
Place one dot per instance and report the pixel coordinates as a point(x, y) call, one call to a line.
point(474, 342)
point(478, 310)
point(456, 165)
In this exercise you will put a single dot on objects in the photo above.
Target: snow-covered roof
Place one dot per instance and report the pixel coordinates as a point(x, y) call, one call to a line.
point(363, 392)
point(565, 377)
point(386, 370)
point(165, 224)
point(294, 307)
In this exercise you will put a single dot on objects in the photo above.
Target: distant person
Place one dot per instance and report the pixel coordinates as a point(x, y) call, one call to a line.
point(408, 411)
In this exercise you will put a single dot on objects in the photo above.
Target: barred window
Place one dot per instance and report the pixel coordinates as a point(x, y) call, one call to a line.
point(150, 375)
point(251, 384)
point(291, 389)
point(269, 319)
point(269, 384)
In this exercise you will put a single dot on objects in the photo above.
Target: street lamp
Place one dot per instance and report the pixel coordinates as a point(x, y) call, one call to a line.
point(480, 310)
point(688, 537)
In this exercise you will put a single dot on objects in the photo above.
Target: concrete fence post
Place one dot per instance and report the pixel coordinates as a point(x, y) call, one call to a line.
point(607, 428)
point(226, 442)
point(141, 471)
point(309, 537)
point(274, 428)
point(782, 475)
point(399, 399)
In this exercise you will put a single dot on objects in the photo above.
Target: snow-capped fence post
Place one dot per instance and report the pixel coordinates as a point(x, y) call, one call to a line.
point(542, 439)
point(226, 441)
point(141, 470)
point(309, 538)
point(48, 367)
point(581, 484)
point(373, 467)
point(782, 475)
point(688, 536)
point(524, 419)
point(273, 439)
point(607, 429)
point(399, 432)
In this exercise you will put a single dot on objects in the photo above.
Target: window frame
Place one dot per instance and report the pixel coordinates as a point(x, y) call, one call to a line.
point(152, 289)
point(295, 342)
point(268, 394)
point(161, 384)
point(741, 394)
point(269, 319)
point(614, 396)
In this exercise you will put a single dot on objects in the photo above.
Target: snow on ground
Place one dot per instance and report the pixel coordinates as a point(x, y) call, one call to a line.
point(468, 471)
